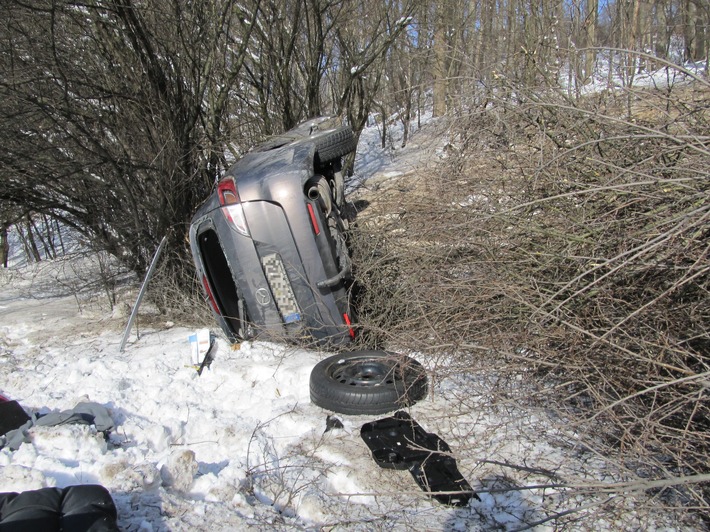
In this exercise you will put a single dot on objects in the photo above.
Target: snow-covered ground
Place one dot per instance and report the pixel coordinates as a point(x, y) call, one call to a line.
point(613, 73)
point(242, 446)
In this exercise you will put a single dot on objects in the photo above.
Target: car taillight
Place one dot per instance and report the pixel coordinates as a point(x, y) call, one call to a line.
point(227, 191)
point(229, 199)
point(314, 220)
point(210, 296)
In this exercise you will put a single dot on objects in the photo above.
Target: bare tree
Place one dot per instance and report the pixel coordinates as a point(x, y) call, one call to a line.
point(442, 28)
point(114, 113)
point(696, 19)
point(591, 22)
point(290, 57)
point(362, 50)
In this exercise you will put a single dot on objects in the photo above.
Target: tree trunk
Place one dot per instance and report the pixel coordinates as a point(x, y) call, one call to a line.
point(590, 24)
point(439, 71)
point(59, 235)
point(407, 117)
point(643, 34)
point(4, 246)
point(50, 250)
point(31, 244)
point(383, 124)
point(485, 31)
point(690, 15)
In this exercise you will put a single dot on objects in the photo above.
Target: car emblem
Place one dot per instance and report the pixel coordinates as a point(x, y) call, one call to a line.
point(262, 296)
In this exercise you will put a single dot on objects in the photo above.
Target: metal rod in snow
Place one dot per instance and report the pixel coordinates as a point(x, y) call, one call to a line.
point(148, 275)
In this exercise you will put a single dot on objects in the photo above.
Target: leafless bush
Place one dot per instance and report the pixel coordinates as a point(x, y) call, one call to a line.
point(175, 298)
point(570, 239)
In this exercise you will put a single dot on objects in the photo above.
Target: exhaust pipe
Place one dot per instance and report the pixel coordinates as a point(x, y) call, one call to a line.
point(320, 191)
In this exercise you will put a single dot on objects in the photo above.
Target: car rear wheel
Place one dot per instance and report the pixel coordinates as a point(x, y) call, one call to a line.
point(331, 144)
point(367, 382)
point(334, 144)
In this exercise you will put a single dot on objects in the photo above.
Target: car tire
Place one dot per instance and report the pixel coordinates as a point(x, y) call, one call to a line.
point(367, 382)
point(337, 239)
point(331, 144)
point(334, 144)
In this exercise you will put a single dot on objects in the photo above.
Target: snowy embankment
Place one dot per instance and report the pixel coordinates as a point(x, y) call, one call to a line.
point(241, 445)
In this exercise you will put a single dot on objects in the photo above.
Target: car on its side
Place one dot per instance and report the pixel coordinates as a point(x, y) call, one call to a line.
point(269, 242)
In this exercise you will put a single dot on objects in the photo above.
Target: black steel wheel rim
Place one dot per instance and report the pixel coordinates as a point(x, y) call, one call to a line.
point(365, 372)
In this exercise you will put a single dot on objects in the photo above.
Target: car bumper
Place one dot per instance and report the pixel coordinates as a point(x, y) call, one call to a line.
point(276, 290)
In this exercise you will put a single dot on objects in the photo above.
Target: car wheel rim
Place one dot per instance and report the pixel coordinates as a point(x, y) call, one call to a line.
point(363, 373)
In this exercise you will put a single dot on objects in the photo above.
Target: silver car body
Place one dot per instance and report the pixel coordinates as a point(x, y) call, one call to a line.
point(272, 260)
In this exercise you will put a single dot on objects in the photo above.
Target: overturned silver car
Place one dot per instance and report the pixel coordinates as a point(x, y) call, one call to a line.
point(269, 243)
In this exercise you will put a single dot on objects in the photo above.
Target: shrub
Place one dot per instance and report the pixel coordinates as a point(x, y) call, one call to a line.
point(568, 239)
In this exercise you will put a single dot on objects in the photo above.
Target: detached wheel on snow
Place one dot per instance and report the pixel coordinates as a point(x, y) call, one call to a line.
point(367, 382)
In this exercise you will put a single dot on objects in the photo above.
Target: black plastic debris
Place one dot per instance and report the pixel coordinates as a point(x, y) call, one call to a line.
point(12, 416)
point(399, 442)
point(332, 422)
point(209, 356)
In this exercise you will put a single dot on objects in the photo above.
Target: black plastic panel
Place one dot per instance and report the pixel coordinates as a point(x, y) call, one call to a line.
point(399, 442)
